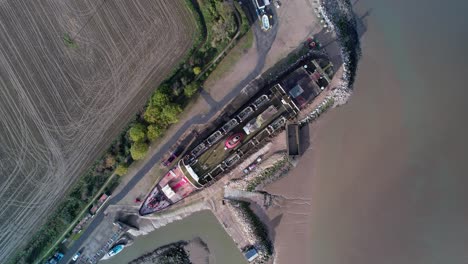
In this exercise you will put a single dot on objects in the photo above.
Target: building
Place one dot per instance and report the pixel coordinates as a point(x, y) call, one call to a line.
point(301, 86)
point(99, 203)
point(251, 254)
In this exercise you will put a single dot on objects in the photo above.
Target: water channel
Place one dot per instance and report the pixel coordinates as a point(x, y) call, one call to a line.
point(202, 224)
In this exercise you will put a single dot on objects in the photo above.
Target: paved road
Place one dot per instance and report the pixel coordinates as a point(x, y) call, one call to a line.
point(264, 40)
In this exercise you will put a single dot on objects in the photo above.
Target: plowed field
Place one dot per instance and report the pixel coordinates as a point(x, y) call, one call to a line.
point(61, 106)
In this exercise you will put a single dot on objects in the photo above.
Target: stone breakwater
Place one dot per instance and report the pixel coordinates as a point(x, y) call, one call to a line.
point(172, 253)
point(320, 109)
point(271, 170)
point(340, 18)
point(339, 13)
point(255, 231)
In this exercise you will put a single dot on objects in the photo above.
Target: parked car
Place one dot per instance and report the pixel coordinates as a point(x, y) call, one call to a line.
point(252, 166)
point(76, 256)
point(174, 155)
point(169, 160)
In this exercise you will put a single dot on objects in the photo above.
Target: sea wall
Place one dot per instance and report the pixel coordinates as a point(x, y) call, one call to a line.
point(171, 253)
point(255, 230)
point(151, 223)
point(339, 14)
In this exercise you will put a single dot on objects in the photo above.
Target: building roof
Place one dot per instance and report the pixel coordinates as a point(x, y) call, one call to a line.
point(103, 198)
point(301, 86)
point(251, 254)
point(296, 91)
point(293, 139)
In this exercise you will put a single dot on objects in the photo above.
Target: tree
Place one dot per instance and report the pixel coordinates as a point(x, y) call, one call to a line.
point(196, 70)
point(152, 114)
point(160, 98)
point(154, 132)
point(138, 150)
point(138, 132)
point(170, 113)
point(190, 89)
point(121, 169)
point(70, 210)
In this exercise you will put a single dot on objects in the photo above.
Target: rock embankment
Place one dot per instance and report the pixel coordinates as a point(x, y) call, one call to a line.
point(198, 251)
point(174, 253)
point(151, 223)
point(255, 230)
point(269, 171)
point(340, 15)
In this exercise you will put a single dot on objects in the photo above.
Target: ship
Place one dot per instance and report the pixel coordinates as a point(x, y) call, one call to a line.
point(115, 250)
point(245, 131)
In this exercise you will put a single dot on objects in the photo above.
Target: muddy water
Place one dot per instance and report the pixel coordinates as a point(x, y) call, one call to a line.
point(202, 224)
point(387, 181)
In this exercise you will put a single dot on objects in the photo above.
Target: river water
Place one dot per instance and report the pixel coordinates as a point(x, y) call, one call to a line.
point(202, 224)
point(391, 175)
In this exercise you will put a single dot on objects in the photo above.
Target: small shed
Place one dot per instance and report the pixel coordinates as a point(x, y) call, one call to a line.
point(251, 254)
point(103, 198)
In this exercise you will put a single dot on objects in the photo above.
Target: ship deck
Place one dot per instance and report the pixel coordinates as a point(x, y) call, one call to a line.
point(217, 153)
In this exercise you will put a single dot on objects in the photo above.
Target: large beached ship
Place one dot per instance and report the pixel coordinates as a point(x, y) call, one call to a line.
point(237, 138)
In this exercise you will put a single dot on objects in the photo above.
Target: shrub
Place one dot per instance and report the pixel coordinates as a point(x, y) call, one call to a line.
point(121, 169)
point(154, 132)
point(137, 133)
point(138, 150)
point(170, 113)
point(196, 70)
point(110, 161)
point(67, 39)
point(190, 89)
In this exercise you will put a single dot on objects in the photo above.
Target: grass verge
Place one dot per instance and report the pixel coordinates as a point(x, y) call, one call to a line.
point(244, 44)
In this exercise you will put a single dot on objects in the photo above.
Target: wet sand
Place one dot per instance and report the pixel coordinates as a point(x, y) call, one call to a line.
point(385, 178)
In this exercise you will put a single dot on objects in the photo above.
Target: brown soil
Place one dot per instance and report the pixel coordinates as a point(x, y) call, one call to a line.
point(61, 106)
point(219, 88)
point(297, 22)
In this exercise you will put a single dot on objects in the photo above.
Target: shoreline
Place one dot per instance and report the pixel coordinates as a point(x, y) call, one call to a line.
point(193, 251)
